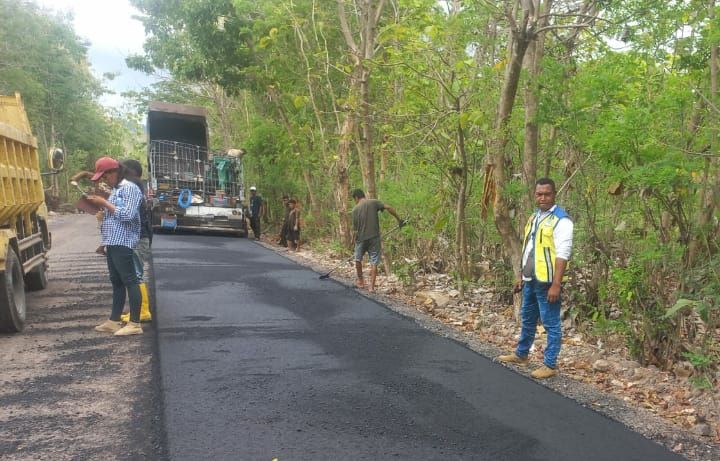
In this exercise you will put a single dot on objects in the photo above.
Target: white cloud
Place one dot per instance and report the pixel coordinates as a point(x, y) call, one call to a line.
point(113, 35)
point(107, 24)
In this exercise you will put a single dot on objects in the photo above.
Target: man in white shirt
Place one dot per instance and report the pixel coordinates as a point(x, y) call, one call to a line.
point(547, 247)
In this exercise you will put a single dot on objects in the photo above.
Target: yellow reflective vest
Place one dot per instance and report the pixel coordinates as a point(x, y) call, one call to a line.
point(544, 244)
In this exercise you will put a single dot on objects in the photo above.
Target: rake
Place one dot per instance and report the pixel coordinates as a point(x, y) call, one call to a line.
point(327, 275)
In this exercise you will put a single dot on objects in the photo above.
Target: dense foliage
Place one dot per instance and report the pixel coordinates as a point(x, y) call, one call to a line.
point(449, 110)
point(43, 59)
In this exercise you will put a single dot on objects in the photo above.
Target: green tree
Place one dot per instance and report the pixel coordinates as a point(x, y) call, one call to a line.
point(43, 58)
point(423, 102)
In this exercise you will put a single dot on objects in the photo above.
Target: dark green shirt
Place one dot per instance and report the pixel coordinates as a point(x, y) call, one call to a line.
point(365, 219)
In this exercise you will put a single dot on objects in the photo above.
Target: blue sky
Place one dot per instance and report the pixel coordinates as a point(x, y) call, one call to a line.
point(113, 35)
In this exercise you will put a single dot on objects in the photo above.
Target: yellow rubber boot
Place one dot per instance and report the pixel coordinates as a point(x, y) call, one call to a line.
point(145, 315)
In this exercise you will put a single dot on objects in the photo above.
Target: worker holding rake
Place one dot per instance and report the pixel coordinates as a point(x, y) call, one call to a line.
point(366, 225)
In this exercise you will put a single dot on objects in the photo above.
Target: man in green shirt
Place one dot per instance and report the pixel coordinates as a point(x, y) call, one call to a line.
point(367, 233)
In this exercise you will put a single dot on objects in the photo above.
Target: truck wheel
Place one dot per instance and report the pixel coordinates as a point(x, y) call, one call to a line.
point(12, 295)
point(36, 279)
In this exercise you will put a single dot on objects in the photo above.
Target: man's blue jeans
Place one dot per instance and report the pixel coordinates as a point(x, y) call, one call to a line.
point(535, 304)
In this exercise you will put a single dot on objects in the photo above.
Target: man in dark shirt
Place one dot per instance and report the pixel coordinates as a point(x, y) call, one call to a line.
point(366, 226)
point(256, 209)
point(142, 253)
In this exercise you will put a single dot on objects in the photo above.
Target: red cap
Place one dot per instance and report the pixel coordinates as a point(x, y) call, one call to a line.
point(103, 165)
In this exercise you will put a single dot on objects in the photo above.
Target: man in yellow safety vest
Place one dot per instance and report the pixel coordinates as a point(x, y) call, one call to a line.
point(546, 250)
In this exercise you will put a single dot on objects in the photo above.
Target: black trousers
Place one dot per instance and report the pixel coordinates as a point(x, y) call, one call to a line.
point(283, 234)
point(255, 226)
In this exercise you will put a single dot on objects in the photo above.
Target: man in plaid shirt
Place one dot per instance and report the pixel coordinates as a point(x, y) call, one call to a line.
point(120, 232)
point(122, 226)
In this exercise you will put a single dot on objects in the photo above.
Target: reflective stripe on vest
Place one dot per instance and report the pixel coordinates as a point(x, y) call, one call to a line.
point(544, 244)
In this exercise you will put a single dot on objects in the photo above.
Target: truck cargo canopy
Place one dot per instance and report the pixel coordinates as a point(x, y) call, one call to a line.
point(178, 123)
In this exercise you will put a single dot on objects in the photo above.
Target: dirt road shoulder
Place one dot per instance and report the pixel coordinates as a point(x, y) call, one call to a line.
point(69, 392)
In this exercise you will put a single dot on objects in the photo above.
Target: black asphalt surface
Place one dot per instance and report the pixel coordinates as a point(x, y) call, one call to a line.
point(260, 359)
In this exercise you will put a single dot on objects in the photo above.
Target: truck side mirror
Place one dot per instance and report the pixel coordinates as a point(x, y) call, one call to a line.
point(56, 159)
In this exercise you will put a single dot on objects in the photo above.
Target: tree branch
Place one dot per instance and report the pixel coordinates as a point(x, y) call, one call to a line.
point(345, 27)
point(378, 12)
point(567, 26)
point(511, 20)
point(575, 15)
point(707, 101)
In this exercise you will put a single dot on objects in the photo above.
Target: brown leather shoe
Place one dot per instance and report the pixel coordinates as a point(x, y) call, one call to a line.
point(544, 372)
point(513, 358)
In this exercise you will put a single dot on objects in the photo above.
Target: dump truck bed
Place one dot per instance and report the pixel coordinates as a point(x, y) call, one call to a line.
point(21, 189)
point(24, 235)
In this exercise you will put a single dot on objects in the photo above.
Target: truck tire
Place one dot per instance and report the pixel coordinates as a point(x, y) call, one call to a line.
point(12, 295)
point(36, 279)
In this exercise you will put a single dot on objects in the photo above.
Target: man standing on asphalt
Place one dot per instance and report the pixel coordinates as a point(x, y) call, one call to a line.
point(133, 173)
point(366, 226)
point(546, 250)
point(256, 210)
point(120, 231)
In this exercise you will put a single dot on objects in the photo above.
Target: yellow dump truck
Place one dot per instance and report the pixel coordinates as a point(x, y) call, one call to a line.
point(24, 234)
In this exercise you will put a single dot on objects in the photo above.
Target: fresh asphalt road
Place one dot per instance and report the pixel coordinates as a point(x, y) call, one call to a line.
point(260, 359)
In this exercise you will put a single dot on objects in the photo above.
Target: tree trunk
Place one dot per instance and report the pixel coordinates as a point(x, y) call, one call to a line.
point(535, 53)
point(363, 52)
point(461, 247)
point(549, 155)
point(704, 235)
point(367, 43)
point(532, 130)
point(342, 179)
point(498, 159)
point(367, 154)
point(384, 157)
point(312, 196)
